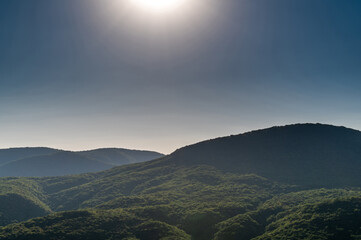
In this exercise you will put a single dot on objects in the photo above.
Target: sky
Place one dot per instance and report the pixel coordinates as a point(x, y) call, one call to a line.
point(80, 74)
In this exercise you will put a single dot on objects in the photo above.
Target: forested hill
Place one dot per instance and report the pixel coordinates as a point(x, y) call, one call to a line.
point(53, 162)
point(263, 184)
point(306, 154)
point(11, 154)
point(120, 156)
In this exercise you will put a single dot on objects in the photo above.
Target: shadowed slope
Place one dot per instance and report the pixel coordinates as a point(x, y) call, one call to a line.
point(306, 154)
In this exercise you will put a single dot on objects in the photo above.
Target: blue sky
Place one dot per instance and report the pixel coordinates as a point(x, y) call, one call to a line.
point(84, 74)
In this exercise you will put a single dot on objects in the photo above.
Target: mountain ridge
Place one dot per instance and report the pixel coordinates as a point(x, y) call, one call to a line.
point(249, 186)
point(41, 161)
point(300, 149)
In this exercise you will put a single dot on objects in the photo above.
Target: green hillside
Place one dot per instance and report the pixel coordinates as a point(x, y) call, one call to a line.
point(182, 196)
point(21, 199)
point(330, 219)
point(188, 198)
point(92, 225)
point(272, 217)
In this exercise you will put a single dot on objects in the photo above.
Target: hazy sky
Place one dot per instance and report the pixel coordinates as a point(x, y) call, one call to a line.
point(78, 74)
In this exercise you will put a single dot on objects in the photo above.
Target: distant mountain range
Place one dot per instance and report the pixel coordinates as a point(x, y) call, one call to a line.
point(271, 184)
point(37, 162)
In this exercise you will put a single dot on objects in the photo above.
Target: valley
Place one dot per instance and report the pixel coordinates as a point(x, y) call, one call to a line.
point(248, 186)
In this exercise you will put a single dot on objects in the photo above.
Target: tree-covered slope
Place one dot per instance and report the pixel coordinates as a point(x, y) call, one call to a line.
point(305, 154)
point(251, 186)
point(92, 225)
point(272, 216)
point(175, 185)
point(311, 214)
point(21, 199)
point(193, 199)
point(330, 220)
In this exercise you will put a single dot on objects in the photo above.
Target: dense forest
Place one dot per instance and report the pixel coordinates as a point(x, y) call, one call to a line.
point(293, 182)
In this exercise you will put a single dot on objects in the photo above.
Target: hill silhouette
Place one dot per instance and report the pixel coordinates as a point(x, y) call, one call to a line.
point(58, 164)
point(37, 162)
point(120, 156)
point(11, 154)
point(306, 154)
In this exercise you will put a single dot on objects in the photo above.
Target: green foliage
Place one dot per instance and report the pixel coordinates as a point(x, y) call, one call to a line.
point(330, 219)
point(14, 208)
point(242, 226)
point(91, 225)
point(194, 199)
point(153, 201)
point(21, 199)
point(202, 192)
point(273, 216)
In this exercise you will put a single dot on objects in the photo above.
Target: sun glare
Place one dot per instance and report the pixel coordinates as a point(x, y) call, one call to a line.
point(158, 5)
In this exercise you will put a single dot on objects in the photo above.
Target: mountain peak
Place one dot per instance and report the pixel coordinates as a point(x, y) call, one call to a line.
point(311, 154)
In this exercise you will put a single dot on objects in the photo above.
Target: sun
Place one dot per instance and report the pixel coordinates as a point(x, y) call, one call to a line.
point(158, 6)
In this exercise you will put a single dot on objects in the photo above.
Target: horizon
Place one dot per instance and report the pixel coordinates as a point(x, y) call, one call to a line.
point(180, 119)
point(88, 74)
point(167, 153)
